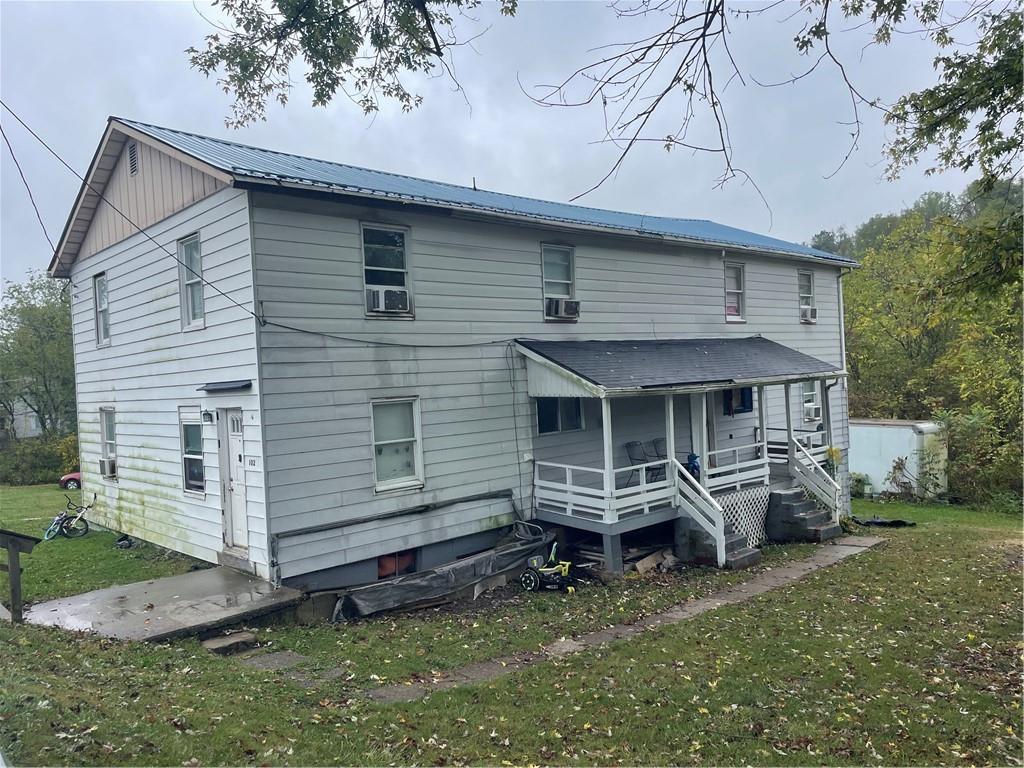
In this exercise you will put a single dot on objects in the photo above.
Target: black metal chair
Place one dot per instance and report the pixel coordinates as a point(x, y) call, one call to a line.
point(660, 446)
point(637, 455)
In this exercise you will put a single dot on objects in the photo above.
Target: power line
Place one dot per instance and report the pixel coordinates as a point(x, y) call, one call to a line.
point(28, 189)
point(258, 317)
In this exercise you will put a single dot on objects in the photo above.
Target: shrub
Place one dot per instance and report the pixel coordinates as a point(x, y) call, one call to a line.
point(984, 464)
point(857, 482)
point(34, 460)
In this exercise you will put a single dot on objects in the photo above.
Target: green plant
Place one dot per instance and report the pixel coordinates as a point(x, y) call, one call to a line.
point(31, 461)
point(983, 461)
point(857, 482)
point(67, 448)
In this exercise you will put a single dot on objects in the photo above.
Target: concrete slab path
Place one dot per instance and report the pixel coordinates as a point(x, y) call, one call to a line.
point(162, 609)
point(766, 581)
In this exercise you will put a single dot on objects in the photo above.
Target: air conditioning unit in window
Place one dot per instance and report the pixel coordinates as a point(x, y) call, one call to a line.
point(808, 314)
point(381, 299)
point(108, 467)
point(562, 309)
point(812, 412)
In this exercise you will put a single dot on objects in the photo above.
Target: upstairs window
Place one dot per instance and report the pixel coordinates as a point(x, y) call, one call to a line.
point(558, 271)
point(805, 288)
point(190, 257)
point(396, 444)
point(559, 414)
point(108, 443)
point(99, 291)
point(385, 271)
point(735, 298)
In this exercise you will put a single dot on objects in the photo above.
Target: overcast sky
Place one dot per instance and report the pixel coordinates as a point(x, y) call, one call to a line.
point(67, 66)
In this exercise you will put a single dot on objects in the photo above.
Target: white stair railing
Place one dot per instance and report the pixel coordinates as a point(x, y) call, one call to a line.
point(701, 506)
point(814, 478)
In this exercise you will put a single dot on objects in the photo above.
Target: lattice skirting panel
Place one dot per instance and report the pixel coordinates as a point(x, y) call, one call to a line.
point(746, 510)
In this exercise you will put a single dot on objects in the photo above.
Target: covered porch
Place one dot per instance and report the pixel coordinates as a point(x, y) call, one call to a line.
point(692, 430)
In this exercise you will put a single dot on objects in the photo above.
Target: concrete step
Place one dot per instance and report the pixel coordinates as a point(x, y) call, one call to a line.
point(225, 645)
point(734, 541)
point(796, 507)
point(742, 558)
point(790, 494)
point(822, 533)
point(811, 519)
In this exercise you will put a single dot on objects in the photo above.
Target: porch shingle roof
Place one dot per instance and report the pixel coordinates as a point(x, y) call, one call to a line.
point(664, 363)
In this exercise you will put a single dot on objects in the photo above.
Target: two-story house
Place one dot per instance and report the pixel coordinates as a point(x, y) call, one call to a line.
point(325, 375)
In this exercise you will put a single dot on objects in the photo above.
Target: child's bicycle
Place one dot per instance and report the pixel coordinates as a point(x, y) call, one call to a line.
point(70, 522)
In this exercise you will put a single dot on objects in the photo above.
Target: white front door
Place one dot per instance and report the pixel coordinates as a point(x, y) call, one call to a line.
point(236, 529)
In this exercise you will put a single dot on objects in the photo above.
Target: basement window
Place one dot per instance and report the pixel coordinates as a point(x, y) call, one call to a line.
point(396, 564)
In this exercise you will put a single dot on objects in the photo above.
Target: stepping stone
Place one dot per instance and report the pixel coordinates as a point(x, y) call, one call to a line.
point(229, 644)
point(271, 662)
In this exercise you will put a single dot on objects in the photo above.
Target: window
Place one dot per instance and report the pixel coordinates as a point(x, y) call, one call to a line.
point(812, 404)
point(191, 271)
point(805, 288)
point(99, 291)
point(396, 564)
point(133, 158)
point(737, 401)
point(396, 444)
point(557, 265)
point(735, 304)
point(108, 443)
point(192, 470)
point(559, 414)
point(385, 271)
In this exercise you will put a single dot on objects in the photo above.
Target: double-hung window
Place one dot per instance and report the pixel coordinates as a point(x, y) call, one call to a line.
point(397, 457)
point(386, 271)
point(102, 303)
point(735, 297)
point(805, 290)
point(559, 414)
point(108, 442)
point(812, 402)
point(557, 265)
point(193, 471)
point(191, 270)
point(736, 401)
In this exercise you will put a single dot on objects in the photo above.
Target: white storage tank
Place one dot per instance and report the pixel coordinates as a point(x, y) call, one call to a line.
point(876, 444)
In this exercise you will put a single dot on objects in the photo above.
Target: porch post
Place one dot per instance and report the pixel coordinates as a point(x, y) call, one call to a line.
point(670, 430)
point(606, 434)
point(762, 424)
point(790, 453)
point(699, 430)
point(826, 412)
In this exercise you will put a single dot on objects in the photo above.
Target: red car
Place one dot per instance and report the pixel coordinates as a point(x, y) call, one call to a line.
point(72, 481)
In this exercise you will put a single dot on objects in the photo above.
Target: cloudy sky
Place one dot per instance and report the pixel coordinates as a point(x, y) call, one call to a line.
point(67, 66)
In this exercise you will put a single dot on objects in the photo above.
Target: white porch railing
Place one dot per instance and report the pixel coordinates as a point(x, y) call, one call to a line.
point(581, 492)
point(725, 469)
point(814, 478)
point(815, 442)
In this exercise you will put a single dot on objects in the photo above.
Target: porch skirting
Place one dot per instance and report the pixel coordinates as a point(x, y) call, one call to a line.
point(747, 510)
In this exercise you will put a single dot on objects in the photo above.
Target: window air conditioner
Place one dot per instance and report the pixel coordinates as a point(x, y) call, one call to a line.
point(808, 314)
point(563, 309)
point(812, 412)
point(108, 467)
point(380, 299)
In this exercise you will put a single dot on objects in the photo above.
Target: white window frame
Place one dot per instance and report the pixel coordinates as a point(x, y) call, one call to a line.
point(558, 416)
point(191, 417)
point(810, 395)
point(406, 483)
point(187, 279)
point(365, 225)
point(570, 293)
point(741, 292)
point(804, 300)
point(99, 311)
point(108, 442)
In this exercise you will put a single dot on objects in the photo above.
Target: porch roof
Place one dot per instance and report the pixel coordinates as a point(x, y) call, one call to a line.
point(600, 368)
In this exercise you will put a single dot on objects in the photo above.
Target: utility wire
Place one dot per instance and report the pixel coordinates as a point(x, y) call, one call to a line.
point(259, 317)
point(28, 189)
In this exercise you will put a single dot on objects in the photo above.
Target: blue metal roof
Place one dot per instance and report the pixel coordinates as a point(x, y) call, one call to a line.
point(254, 163)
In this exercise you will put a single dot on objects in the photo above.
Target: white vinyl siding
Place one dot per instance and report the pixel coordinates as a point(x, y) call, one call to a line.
point(735, 292)
point(557, 267)
point(190, 259)
point(101, 302)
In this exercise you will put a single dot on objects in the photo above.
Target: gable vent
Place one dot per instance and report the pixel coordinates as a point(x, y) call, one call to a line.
point(133, 158)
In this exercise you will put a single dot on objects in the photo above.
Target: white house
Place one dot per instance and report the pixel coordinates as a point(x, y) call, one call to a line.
point(323, 374)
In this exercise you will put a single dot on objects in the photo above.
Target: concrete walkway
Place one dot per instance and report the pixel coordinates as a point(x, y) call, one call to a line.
point(162, 609)
point(765, 581)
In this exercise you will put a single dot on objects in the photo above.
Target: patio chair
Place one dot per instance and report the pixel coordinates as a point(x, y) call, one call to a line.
point(660, 447)
point(636, 454)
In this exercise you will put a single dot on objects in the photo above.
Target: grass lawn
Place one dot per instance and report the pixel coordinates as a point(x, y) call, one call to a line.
point(68, 566)
point(910, 654)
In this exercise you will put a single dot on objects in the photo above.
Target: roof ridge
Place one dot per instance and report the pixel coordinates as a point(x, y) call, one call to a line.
point(399, 175)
